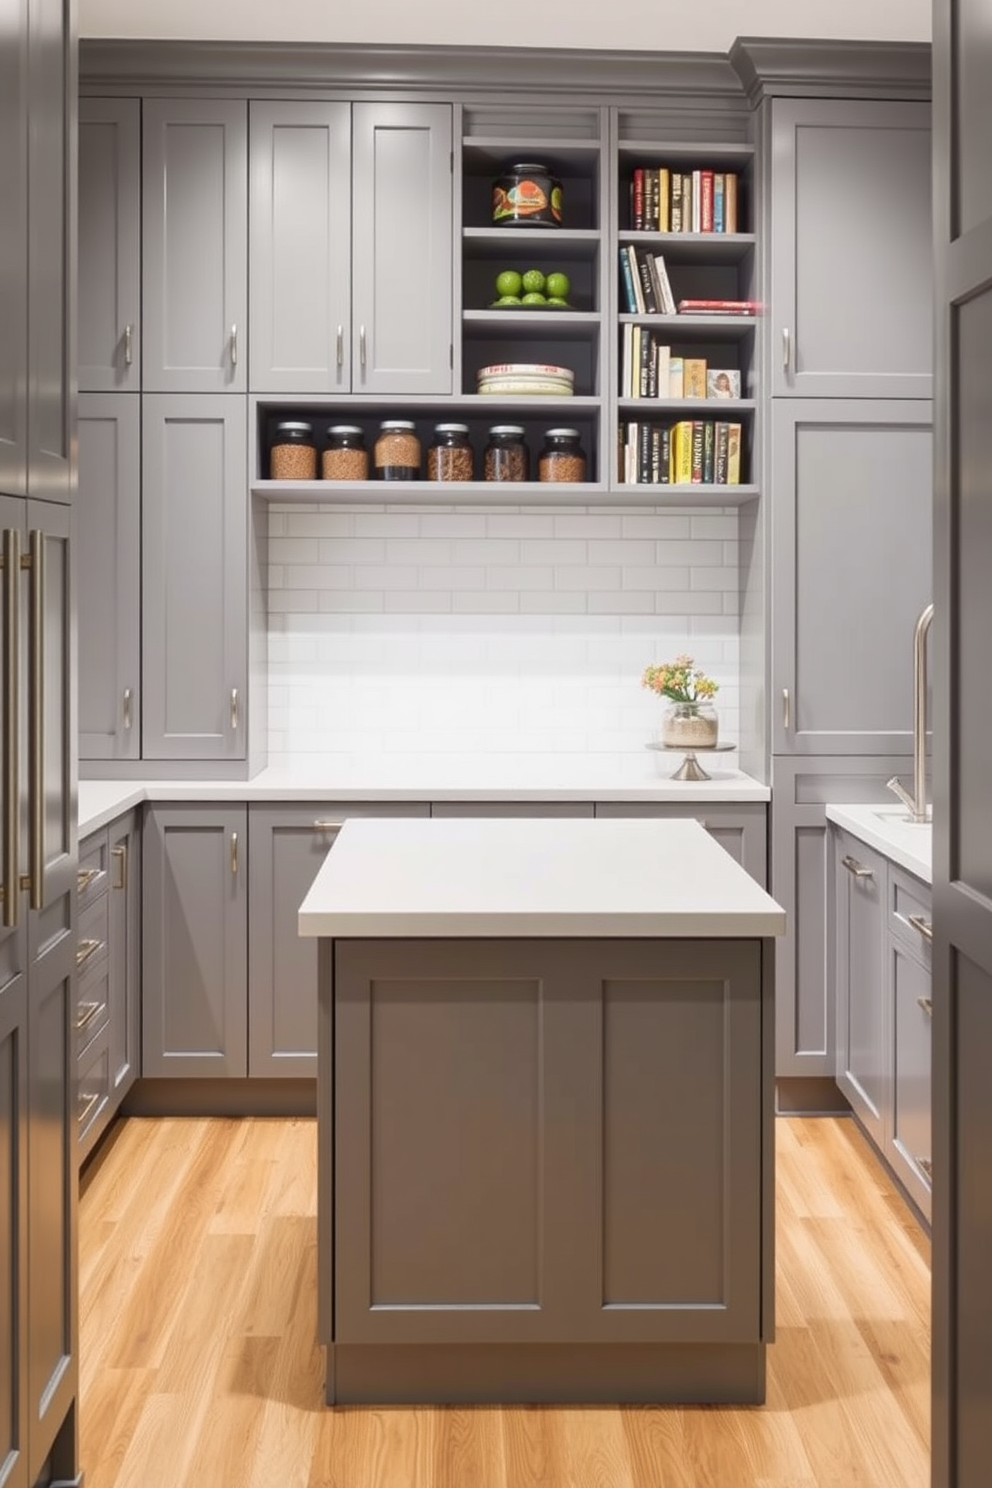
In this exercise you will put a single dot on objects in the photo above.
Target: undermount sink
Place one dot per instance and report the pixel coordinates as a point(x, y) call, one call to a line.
point(903, 818)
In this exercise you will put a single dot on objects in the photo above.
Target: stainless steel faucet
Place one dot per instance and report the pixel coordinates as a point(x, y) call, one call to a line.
point(916, 804)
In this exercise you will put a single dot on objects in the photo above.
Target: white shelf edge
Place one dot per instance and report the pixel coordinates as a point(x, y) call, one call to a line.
point(729, 405)
point(497, 493)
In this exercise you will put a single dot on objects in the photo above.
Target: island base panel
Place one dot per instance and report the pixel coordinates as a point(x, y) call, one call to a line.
point(548, 1374)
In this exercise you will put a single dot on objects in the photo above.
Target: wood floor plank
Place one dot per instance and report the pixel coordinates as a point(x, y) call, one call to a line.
point(200, 1363)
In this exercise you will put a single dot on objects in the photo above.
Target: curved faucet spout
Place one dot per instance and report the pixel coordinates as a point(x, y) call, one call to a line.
point(916, 803)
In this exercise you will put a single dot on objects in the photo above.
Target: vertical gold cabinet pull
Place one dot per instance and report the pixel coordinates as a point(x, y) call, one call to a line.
point(9, 885)
point(234, 853)
point(35, 561)
point(126, 710)
point(119, 855)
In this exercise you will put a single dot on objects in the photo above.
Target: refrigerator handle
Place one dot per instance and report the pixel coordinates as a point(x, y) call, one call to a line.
point(36, 722)
point(11, 723)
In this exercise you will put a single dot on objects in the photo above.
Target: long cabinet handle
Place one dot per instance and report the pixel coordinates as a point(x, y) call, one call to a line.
point(320, 825)
point(36, 721)
point(858, 869)
point(361, 347)
point(234, 853)
point(786, 349)
point(786, 709)
point(9, 882)
point(85, 949)
point(86, 1013)
point(85, 877)
point(235, 709)
point(926, 1164)
point(340, 346)
point(234, 345)
point(87, 1102)
point(926, 1003)
point(126, 713)
point(921, 924)
point(119, 855)
point(128, 345)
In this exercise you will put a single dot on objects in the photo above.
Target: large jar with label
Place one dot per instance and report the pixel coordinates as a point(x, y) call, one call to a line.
point(562, 457)
point(450, 455)
point(293, 455)
point(397, 451)
point(506, 457)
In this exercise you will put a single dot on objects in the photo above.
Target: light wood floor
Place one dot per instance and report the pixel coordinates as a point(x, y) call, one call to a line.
point(200, 1370)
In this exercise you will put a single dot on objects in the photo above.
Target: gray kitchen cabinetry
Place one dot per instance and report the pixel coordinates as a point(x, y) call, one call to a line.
point(124, 915)
point(109, 333)
point(13, 257)
point(288, 844)
point(108, 566)
point(740, 828)
point(805, 1024)
point(910, 1011)
point(850, 248)
point(851, 571)
point(596, 1135)
point(194, 245)
point(351, 247)
point(194, 942)
point(194, 574)
point(858, 914)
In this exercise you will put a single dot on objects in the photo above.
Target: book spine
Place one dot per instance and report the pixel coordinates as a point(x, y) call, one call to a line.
point(697, 200)
point(665, 457)
point(638, 200)
point(682, 453)
point(664, 193)
point(694, 377)
point(664, 285)
point(718, 186)
point(706, 201)
point(635, 363)
point(676, 211)
point(733, 454)
point(626, 361)
point(645, 357)
point(662, 371)
point(652, 366)
point(627, 282)
point(655, 463)
point(635, 277)
point(720, 454)
point(708, 452)
point(730, 203)
point(676, 377)
point(696, 476)
point(641, 259)
point(650, 199)
point(644, 455)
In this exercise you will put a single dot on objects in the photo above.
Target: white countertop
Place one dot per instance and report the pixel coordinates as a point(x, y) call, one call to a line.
point(889, 832)
point(434, 778)
point(532, 877)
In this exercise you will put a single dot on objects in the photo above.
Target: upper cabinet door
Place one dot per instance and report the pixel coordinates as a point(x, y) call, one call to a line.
point(300, 215)
point(851, 257)
point(195, 226)
point(51, 220)
point(402, 257)
point(109, 245)
point(13, 247)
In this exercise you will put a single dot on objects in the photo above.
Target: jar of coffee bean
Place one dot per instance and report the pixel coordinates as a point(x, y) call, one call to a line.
point(506, 457)
point(397, 451)
point(450, 455)
point(562, 457)
point(345, 458)
point(293, 455)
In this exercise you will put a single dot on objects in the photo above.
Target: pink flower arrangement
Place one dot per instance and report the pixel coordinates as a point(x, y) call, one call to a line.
point(680, 680)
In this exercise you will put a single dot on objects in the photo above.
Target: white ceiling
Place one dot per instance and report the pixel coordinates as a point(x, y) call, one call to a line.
point(628, 25)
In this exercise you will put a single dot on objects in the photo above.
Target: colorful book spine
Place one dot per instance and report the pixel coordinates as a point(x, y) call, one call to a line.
point(627, 282)
point(696, 216)
point(718, 188)
point(720, 454)
point(709, 452)
point(730, 203)
point(675, 223)
point(676, 377)
point(664, 194)
point(682, 453)
point(696, 475)
point(733, 454)
point(706, 201)
point(637, 200)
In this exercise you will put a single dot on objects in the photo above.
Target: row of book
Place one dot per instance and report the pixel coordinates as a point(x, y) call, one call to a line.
point(698, 201)
point(691, 452)
point(645, 289)
point(648, 369)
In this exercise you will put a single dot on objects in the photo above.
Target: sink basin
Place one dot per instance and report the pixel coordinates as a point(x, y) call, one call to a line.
point(903, 819)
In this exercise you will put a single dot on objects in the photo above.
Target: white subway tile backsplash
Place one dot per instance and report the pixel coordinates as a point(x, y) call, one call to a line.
point(493, 631)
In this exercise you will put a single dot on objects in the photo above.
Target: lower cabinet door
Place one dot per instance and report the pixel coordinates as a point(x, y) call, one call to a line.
point(124, 954)
point(908, 1145)
point(859, 899)
point(547, 1141)
point(195, 941)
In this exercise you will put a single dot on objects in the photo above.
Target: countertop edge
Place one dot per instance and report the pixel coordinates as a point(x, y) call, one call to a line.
point(863, 823)
point(697, 925)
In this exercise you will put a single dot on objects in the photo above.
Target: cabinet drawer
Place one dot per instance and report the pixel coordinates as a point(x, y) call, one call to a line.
point(910, 914)
point(910, 1143)
point(92, 1006)
point(93, 1105)
point(91, 943)
point(92, 875)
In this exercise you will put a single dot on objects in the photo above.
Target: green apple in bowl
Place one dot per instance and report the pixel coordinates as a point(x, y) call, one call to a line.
point(533, 282)
point(557, 285)
point(535, 297)
point(555, 303)
point(505, 302)
point(509, 284)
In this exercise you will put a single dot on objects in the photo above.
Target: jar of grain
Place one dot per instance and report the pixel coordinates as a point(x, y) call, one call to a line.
point(397, 451)
point(345, 458)
point(450, 456)
point(506, 457)
point(293, 455)
point(562, 458)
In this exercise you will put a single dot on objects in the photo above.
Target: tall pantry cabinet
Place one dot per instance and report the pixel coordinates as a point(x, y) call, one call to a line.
point(38, 1118)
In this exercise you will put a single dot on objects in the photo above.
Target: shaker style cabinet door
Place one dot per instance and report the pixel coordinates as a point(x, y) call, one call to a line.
point(859, 887)
point(851, 275)
point(13, 250)
point(108, 569)
point(402, 258)
point(195, 248)
point(109, 245)
point(300, 220)
point(194, 576)
point(851, 566)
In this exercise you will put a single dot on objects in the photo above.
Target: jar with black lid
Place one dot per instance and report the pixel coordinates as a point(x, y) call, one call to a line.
point(450, 456)
point(527, 193)
point(345, 458)
point(397, 451)
point(293, 455)
point(506, 457)
point(562, 457)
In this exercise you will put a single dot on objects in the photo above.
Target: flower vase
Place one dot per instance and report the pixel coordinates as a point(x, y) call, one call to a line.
point(690, 726)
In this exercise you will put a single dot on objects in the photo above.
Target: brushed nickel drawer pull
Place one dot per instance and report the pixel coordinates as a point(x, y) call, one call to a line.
point(858, 869)
point(327, 826)
point(926, 1003)
point(128, 345)
point(235, 709)
point(88, 1102)
point(9, 875)
point(119, 855)
point(786, 349)
point(922, 924)
point(127, 710)
point(87, 1012)
point(786, 710)
point(36, 721)
point(361, 348)
point(339, 342)
point(85, 877)
point(234, 345)
point(234, 852)
point(86, 949)
point(926, 1165)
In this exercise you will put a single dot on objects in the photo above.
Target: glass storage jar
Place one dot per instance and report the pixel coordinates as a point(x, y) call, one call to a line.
point(562, 457)
point(293, 455)
point(506, 457)
point(397, 451)
point(345, 458)
point(450, 456)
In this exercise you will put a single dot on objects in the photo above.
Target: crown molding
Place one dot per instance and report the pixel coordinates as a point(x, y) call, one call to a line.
point(772, 68)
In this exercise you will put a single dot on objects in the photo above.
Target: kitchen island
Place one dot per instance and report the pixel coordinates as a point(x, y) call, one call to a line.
point(545, 1112)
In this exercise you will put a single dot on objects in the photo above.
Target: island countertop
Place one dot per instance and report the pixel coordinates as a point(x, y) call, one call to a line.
point(533, 877)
